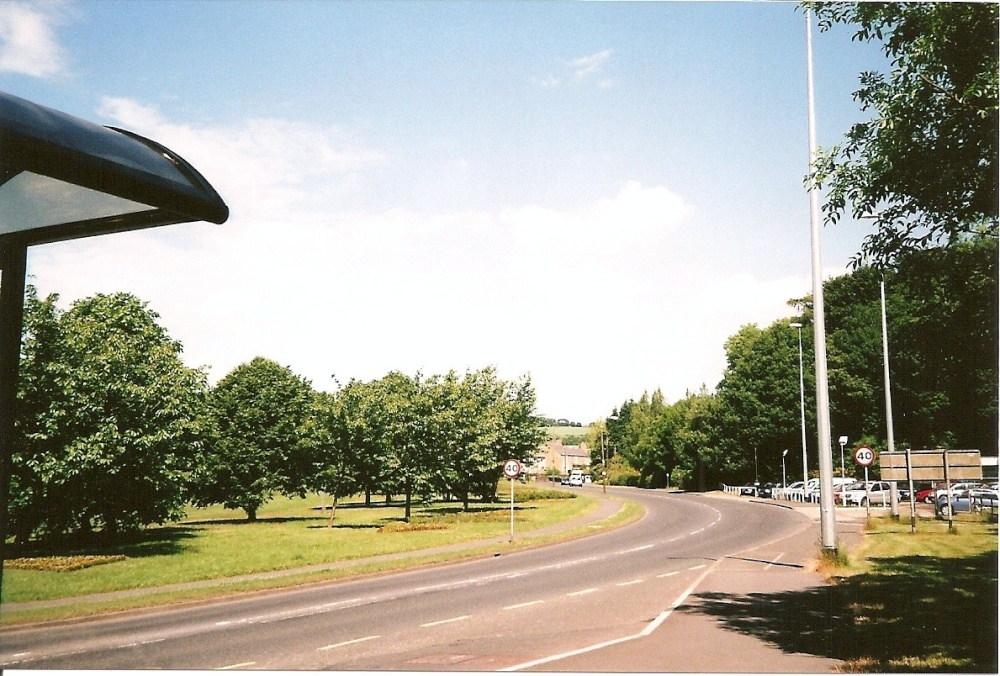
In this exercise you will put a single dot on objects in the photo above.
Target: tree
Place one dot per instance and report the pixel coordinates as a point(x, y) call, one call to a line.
point(261, 413)
point(110, 420)
point(924, 169)
point(337, 460)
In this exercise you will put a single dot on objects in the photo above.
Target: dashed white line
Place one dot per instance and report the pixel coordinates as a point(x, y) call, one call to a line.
point(626, 584)
point(449, 620)
point(582, 592)
point(343, 644)
point(670, 574)
point(522, 605)
point(698, 567)
point(236, 666)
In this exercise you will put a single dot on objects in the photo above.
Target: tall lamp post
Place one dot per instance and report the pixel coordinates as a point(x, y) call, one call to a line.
point(62, 178)
point(824, 447)
point(802, 410)
point(784, 483)
point(843, 442)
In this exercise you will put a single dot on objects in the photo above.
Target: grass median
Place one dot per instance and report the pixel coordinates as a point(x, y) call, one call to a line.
point(215, 552)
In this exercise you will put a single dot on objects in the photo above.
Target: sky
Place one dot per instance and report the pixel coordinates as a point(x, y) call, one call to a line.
point(594, 195)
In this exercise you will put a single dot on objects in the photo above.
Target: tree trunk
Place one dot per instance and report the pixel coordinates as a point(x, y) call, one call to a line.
point(333, 511)
point(251, 514)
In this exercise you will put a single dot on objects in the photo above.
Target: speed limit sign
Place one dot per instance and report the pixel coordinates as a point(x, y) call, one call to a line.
point(864, 456)
point(512, 469)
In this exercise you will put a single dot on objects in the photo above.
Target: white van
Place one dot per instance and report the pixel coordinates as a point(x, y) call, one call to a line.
point(575, 478)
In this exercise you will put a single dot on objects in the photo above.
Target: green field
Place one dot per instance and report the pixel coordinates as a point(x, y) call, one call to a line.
point(290, 534)
point(564, 432)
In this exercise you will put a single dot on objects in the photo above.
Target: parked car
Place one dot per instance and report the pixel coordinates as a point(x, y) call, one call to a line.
point(839, 484)
point(926, 494)
point(967, 500)
point(962, 487)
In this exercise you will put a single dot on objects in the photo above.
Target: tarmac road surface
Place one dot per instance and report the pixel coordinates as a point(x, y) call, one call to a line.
point(651, 596)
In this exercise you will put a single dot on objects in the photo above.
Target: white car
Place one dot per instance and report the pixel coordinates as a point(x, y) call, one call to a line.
point(956, 489)
point(878, 493)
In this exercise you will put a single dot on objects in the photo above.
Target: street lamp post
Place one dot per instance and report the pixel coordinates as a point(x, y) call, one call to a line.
point(843, 442)
point(827, 519)
point(802, 410)
point(784, 484)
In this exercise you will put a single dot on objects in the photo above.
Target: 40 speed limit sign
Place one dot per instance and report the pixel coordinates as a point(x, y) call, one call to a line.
point(511, 469)
point(864, 456)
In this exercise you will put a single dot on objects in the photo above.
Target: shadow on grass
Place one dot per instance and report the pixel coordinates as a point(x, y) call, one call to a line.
point(153, 542)
point(912, 613)
point(245, 522)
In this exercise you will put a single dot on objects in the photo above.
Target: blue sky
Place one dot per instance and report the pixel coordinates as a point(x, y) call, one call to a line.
point(595, 194)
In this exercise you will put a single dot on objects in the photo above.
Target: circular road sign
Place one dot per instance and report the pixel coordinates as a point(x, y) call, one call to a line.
point(512, 469)
point(864, 456)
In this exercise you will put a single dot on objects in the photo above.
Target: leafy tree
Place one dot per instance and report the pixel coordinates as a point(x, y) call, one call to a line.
point(759, 397)
point(261, 412)
point(924, 168)
point(338, 459)
point(109, 422)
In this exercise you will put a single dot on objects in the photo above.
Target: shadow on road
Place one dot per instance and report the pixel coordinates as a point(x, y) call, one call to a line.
point(912, 613)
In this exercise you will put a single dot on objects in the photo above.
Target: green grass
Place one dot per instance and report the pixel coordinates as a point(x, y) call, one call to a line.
point(215, 543)
point(920, 602)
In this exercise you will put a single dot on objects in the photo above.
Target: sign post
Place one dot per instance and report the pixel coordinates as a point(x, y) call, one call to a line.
point(865, 456)
point(512, 470)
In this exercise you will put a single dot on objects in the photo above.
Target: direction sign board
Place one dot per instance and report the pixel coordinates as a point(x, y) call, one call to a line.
point(512, 469)
point(864, 456)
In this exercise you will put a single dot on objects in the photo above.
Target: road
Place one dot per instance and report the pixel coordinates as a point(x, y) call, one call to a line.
point(515, 611)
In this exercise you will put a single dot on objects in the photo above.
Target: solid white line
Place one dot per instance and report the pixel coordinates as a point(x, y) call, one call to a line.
point(452, 619)
point(522, 605)
point(582, 592)
point(347, 643)
point(645, 632)
point(236, 666)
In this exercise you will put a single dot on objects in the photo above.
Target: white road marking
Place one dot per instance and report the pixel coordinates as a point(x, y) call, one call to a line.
point(347, 643)
point(698, 567)
point(449, 620)
point(522, 605)
point(236, 666)
point(637, 549)
point(626, 584)
point(670, 574)
point(582, 592)
point(650, 628)
point(773, 561)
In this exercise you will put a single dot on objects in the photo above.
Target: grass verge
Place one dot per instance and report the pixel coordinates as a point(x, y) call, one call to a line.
point(918, 602)
point(292, 545)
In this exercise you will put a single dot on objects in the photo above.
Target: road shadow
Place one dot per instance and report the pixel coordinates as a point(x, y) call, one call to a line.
point(912, 613)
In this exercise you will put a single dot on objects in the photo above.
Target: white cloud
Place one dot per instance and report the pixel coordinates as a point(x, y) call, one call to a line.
point(264, 168)
point(28, 43)
point(585, 66)
point(596, 302)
